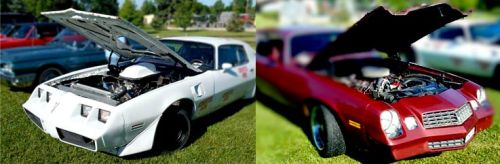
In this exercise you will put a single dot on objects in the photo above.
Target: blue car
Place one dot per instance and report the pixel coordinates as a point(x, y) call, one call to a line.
point(69, 51)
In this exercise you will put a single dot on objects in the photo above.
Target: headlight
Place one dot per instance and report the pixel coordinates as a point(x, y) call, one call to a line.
point(411, 123)
point(85, 110)
point(481, 97)
point(389, 121)
point(474, 104)
point(7, 67)
point(103, 115)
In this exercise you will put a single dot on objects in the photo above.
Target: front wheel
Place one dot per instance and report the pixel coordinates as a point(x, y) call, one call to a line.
point(48, 73)
point(175, 130)
point(326, 134)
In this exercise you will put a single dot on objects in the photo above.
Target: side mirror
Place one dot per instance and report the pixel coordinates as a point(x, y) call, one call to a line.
point(226, 66)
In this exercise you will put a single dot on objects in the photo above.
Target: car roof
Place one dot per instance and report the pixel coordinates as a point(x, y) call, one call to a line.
point(469, 22)
point(215, 41)
point(290, 30)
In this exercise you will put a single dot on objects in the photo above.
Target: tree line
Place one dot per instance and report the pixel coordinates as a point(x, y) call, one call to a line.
point(180, 11)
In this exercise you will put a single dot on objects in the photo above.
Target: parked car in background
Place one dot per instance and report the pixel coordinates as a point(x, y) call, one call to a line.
point(143, 97)
point(348, 93)
point(8, 20)
point(464, 46)
point(69, 51)
point(30, 34)
point(297, 45)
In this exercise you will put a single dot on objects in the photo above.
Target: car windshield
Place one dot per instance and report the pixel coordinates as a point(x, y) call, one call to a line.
point(201, 55)
point(311, 43)
point(489, 32)
point(6, 29)
point(20, 31)
point(70, 39)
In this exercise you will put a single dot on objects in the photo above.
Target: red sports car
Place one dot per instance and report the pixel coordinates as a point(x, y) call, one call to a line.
point(30, 34)
point(350, 93)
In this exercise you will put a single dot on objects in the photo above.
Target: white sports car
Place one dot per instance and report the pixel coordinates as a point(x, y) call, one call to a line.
point(465, 46)
point(145, 94)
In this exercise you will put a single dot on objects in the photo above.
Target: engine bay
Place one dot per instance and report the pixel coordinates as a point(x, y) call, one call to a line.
point(392, 83)
point(120, 84)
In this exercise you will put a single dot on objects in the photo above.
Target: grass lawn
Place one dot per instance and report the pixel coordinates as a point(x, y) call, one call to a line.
point(229, 138)
point(280, 141)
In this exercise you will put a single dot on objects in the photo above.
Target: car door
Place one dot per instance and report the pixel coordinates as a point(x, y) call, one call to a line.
point(230, 80)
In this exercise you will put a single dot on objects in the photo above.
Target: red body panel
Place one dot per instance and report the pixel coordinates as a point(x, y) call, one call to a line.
point(292, 85)
point(28, 40)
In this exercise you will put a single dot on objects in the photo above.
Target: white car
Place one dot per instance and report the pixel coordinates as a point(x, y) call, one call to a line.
point(145, 95)
point(464, 46)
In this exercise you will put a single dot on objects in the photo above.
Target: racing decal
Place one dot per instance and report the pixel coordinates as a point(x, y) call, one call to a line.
point(354, 124)
point(204, 103)
point(243, 71)
point(226, 95)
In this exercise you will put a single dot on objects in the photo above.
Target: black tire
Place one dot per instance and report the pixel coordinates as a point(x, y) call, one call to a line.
point(47, 74)
point(174, 130)
point(326, 134)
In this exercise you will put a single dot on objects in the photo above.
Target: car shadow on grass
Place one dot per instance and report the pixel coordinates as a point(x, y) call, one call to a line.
point(355, 149)
point(199, 128)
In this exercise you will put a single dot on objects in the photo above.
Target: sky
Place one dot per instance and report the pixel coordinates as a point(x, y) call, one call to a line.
point(138, 3)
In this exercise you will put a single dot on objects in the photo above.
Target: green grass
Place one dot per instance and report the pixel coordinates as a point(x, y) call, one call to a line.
point(231, 140)
point(280, 141)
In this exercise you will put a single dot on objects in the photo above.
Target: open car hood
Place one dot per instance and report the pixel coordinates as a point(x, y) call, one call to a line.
point(105, 31)
point(387, 32)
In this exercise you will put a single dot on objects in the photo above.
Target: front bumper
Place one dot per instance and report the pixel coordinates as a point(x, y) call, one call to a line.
point(434, 140)
point(61, 119)
point(25, 80)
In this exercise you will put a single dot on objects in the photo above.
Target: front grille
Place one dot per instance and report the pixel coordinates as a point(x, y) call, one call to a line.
point(447, 118)
point(34, 119)
point(446, 144)
point(76, 139)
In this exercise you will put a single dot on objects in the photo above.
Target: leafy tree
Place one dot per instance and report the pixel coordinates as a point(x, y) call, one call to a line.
point(240, 6)
point(183, 14)
point(16, 6)
point(398, 5)
point(218, 7)
point(109, 7)
point(235, 24)
point(35, 7)
point(165, 10)
point(148, 7)
point(129, 13)
point(464, 5)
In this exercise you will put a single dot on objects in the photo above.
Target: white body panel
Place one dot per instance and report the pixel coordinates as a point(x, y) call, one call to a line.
point(464, 56)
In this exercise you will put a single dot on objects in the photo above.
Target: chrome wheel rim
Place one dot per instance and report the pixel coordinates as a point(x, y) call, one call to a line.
point(317, 127)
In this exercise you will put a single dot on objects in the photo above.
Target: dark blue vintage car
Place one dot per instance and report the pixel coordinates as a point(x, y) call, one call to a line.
point(69, 51)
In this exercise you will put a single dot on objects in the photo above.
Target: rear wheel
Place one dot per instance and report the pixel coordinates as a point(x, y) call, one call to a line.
point(175, 130)
point(48, 73)
point(326, 134)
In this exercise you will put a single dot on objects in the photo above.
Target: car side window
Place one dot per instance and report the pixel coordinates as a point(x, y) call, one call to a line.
point(233, 54)
point(448, 33)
